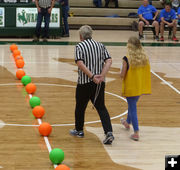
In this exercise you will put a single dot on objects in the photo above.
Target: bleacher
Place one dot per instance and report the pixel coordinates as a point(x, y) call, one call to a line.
point(84, 12)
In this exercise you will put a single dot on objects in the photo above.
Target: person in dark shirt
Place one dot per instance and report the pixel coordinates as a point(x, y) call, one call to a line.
point(65, 13)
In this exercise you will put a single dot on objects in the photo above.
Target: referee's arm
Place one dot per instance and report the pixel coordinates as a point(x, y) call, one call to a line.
point(82, 67)
point(106, 67)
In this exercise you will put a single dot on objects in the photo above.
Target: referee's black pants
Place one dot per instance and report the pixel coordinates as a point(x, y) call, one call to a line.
point(84, 93)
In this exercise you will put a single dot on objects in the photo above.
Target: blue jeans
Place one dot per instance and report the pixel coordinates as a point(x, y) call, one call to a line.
point(132, 112)
point(97, 3)
point(65, 10)
point(46, 15)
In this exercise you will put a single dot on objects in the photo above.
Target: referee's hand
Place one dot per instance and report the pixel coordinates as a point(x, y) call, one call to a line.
point(98, 79)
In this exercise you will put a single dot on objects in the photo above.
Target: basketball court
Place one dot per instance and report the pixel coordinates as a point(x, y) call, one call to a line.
point(53, 70)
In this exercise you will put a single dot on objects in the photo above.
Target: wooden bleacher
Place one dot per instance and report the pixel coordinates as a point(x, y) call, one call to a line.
point(84, 12)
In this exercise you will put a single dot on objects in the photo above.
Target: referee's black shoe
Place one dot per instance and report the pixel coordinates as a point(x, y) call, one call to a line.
point(74, 132)
point(108, 139)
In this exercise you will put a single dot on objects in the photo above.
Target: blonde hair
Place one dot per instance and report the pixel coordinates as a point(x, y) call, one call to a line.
point(137, 56)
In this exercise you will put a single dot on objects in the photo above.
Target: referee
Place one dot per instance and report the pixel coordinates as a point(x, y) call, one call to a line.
point(44, 8)
point(93, 63)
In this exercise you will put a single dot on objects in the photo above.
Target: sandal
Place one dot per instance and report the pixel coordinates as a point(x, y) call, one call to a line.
point(126, 125)
point(135, 137)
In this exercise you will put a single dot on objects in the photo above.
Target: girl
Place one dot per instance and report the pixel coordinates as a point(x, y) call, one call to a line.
point(136, 77)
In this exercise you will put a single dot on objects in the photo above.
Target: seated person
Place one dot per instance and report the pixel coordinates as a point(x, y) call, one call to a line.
point(147, 16)
point(107, 3)
point(168, 17)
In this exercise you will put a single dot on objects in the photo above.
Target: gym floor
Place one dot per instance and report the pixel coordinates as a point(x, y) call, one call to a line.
point(53, 70)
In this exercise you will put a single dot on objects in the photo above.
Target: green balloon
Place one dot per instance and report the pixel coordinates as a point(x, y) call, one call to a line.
point(34, 101)
point(25, 80)
point(56, 156)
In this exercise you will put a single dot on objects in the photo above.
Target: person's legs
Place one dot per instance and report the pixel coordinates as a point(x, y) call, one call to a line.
point(162, 31)
point(106, 3)
point(174, 29)
point(156, 25)
point(140, 27)
point(99, 3)
point(174, 32)
point(128, 120)
point(132, 111)
point(116, 3)
point(102, 111)
point(82, 98)
point(65, 11)
point(38, 24)
point(47, 21)
point(101, 108)
point(95, 2)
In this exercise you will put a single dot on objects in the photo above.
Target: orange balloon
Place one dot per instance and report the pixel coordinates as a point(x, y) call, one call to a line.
point(62, 167)
point(13, 47)
point(16, 52)
point(20, 74)
point(20, 63)
point(45, 129)
point(30, 88)
point(38, 111)
point(18, 57)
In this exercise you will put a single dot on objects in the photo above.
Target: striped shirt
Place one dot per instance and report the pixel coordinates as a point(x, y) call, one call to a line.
point(45, 3)
point(93, 54)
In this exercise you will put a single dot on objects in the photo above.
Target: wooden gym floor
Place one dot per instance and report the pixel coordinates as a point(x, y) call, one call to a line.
point(54, 72)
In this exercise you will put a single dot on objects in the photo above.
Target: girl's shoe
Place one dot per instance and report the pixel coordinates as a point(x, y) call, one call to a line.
point(126, 125)
point(135, 137)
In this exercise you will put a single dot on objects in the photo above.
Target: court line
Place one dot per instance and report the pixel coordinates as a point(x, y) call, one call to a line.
point(45, 137)
point(176, 90)
point(73, 43)
point(71, 124)
point(40, 121)
point(171, 86)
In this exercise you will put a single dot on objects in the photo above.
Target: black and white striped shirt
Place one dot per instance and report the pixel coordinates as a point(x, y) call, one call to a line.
point(93, 54)
point(45, 3)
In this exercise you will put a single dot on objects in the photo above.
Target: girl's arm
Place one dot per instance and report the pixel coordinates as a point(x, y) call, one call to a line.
point(124, 70)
